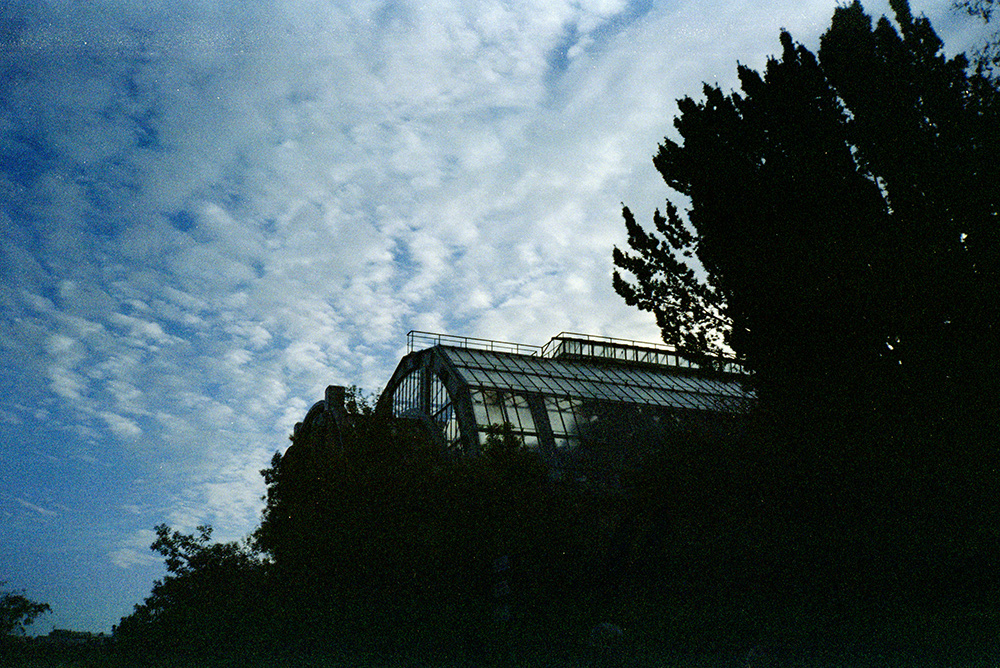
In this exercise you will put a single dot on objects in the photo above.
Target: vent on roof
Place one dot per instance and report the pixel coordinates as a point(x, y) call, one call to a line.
point(568, 345)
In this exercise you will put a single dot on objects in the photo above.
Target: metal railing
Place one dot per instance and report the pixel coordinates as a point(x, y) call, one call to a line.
point(417, 340)
point(570, 345)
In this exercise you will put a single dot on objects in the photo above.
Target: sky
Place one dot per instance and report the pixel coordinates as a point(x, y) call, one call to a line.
point(211, 211)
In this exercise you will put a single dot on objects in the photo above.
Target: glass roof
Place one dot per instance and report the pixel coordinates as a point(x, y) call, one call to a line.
point(596, 379)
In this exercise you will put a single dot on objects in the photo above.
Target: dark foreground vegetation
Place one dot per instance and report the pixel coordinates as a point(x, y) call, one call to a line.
point(386, 555)
point(842, 238)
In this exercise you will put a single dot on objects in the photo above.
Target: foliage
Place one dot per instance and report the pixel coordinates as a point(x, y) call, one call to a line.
point(840, 235)
point(834, 206)
point(987, 58)
point(505, 453)
point(378, 545)
point(384, 531)
point(17, 612)
point(981, 8)
point(209, 602)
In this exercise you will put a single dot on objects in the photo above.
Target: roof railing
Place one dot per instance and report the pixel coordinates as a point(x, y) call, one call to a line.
point(570, 345)
point(417, 340)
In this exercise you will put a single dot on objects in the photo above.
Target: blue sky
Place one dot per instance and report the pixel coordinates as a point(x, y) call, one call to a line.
point(211, 211)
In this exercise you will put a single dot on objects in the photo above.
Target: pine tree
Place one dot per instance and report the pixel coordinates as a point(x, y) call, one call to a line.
point(836, 227)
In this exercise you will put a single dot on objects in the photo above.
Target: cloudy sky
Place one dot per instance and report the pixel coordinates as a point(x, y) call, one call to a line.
point(211, 211)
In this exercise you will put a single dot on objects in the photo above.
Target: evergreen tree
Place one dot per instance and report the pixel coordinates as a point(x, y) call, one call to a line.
point(987, 57)
point(841, 237)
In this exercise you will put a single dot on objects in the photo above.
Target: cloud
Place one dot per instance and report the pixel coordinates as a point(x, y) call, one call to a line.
point(231, 204)
point(134, 551)
point(36, 508)
point(121, 426)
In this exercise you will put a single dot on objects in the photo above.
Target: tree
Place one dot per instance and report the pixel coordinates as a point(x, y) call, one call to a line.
point(211, 600)
point(350, 527)
point(840, 235)
point(376, 537)
point(17, 612)
point(927, 132)
point(768, 172)
point(987, 58)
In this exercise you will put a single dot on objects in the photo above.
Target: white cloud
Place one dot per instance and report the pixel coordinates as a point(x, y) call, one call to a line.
point(66, 384)
point(121, 426)
point(134, 551)
point(36, 508)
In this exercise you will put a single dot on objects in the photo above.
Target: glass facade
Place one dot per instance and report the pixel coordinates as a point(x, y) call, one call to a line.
point(576, 396)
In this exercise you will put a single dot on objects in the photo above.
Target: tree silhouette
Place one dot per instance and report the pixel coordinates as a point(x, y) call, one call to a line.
point(839, 233)
point(17, 611)
point(987, 57)
point(842, 230)
point(211, 602)
point(378, 539)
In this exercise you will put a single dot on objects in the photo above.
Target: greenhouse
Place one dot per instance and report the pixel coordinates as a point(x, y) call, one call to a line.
point(580, 401)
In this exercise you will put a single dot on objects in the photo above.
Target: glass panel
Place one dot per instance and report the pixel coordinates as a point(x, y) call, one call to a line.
point(519, 385)
point(461, 357)
point(681, 382)
point(604, 373)
point(495, 378)
point(555, 415)
point(407, 395)
point(510, 380)
point(547, 386)
point(524, 418)
point(491, 408)
point(517, 401)
point(602, 391)
point(641, 376)
point(570, 424)
point(533, 383)
point(475, 376)
point(607, 382)
point(505, 363)
point(479, 407)
point(575, 387)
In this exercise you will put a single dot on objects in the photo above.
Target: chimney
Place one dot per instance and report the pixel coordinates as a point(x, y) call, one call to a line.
point(335, 397)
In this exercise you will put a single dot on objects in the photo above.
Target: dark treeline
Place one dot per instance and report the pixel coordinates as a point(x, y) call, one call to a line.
point(373, 543)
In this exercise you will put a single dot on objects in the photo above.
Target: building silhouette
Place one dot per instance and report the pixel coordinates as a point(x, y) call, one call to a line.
point(588, 405)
